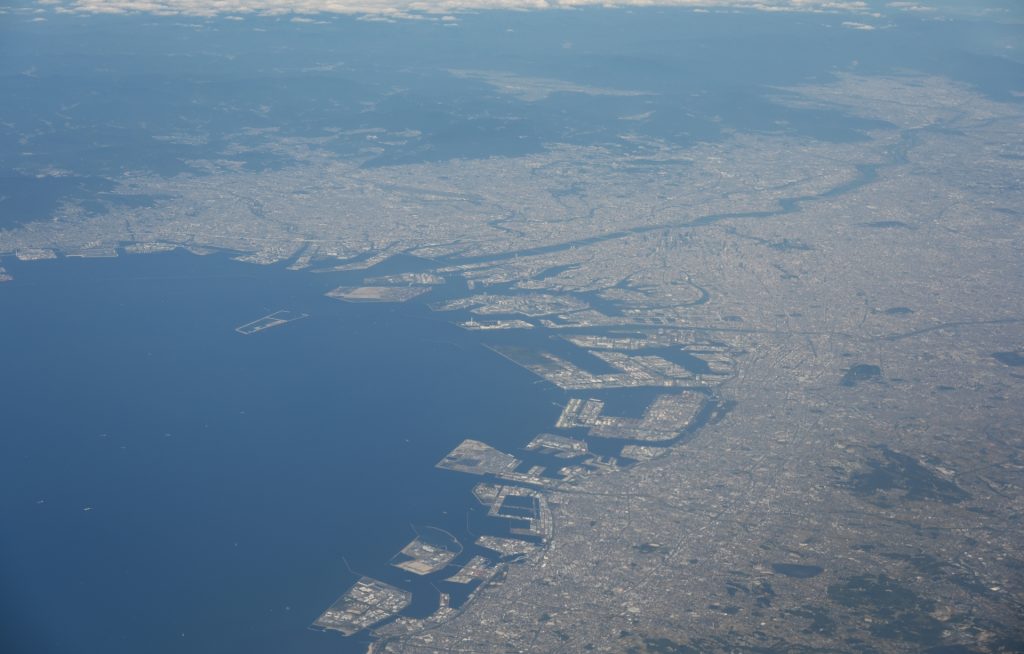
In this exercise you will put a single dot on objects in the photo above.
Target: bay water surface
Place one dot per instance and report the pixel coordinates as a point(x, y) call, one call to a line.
point(170, 485)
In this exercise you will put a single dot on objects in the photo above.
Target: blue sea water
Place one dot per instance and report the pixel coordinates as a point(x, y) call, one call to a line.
point(169, 485)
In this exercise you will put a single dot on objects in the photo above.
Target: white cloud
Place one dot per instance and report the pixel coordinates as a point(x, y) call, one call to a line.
point(849, 24)
point(910, 6)
point(415, 8)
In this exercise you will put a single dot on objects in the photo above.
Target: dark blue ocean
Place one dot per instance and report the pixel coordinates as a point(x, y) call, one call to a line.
point(228, 478)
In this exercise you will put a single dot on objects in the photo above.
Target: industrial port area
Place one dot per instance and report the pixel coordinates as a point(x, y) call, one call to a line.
point(515, 492)
point(362, 606)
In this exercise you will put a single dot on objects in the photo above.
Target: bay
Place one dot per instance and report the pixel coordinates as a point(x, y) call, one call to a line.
point(168, 484)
